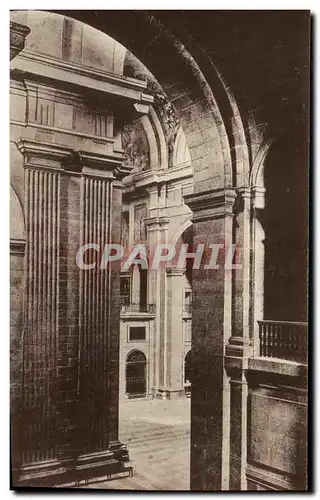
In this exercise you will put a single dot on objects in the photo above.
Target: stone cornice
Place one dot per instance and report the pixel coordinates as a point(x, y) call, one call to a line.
point(35, 65)
point(18, 33)
point(32, 148)
point(157, 222)
point(122, 171)
point(164, 176)
point(152, 222)
point(67, 158)
point(244, 192)
point(143, 179)
point(136, 316)
point(51, 130)
point(236, 365)
point(164, 221)
point(151, 178)
point(98, 161)
point(212, 204)
point(278, 367)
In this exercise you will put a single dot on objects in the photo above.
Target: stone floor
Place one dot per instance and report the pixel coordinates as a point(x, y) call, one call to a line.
point(157, 434)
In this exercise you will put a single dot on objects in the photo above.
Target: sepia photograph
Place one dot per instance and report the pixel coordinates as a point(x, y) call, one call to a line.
point(159, 250)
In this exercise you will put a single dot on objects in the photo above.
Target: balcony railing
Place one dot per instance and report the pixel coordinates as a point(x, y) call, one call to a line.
point(138, 308)
point(284, 340)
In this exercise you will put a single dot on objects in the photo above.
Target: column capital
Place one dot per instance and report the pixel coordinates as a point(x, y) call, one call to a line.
point(164, 221)
point(211, 204)
point(54, 156)
point(152, 188)
point(245, 192)
point(18, 33)
point(258, 198)
point(32, 149)
point(242, 203)
point(152, 223)
point(258, 189)
point(99, 165)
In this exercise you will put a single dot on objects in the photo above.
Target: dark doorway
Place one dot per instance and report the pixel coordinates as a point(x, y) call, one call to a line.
point(143, 298)
point(187, 373)
point(136, 382)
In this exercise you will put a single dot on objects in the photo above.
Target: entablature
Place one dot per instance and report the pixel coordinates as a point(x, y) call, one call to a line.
point(179, 174)
point(54, 70)
point(50, 156)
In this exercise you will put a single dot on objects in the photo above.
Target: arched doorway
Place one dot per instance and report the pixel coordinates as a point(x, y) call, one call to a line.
point(136, 380)
point(187, 374)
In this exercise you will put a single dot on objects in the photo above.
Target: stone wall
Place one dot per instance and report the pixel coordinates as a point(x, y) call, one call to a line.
point(277, 426)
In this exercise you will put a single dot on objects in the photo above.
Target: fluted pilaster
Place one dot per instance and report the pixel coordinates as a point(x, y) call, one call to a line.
point(94, 313)
point(41, 307)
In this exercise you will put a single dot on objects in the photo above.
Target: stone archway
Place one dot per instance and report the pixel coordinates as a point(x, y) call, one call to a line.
point(205, 113)
point(280, 271)
point(222, 202)
point(205, 106)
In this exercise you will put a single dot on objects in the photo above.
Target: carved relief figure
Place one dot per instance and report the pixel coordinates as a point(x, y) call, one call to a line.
point(125, 229)
point(140, 230)
point(136, 148)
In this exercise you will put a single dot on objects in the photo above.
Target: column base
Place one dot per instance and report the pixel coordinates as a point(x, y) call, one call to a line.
point(170, 394)
point(137, 398)
point(39, 473)
point(71, 472)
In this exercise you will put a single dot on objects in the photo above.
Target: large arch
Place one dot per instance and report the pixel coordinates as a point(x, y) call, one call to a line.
point(221, 150)
point(212, 125)
point(205, 106)
point(282, 215)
